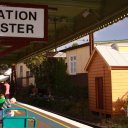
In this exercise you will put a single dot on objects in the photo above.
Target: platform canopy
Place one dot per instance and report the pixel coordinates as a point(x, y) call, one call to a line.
point(68, 20)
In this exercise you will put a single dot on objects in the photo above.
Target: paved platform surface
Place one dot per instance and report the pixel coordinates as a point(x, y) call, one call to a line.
point(45, 119)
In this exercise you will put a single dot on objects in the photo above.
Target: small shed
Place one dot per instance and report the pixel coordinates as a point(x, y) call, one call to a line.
point(107, 79)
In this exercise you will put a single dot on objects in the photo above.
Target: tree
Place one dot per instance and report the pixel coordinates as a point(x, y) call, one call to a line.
point(3, 67)
point(74, 44)
point(35, 65)
point(50, 73)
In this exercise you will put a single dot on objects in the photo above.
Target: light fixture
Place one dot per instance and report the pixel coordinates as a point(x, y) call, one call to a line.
point(86, 13)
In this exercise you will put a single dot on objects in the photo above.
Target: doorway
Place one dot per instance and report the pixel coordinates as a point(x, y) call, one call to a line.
point(99, 92)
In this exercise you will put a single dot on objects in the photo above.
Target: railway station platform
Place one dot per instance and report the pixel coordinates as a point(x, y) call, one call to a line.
point(45, 119)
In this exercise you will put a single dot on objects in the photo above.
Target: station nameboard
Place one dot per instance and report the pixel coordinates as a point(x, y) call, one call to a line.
point(24, 21)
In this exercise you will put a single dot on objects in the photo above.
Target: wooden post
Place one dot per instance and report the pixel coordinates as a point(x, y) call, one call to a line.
point(13, 78)
point(91, 42)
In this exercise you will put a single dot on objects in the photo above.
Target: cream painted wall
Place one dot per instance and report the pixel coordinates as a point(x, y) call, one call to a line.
point(31, 79)
point(119, 89)
point(119, 84)
point(82, 56)
point(24, 69)
point(123, 48)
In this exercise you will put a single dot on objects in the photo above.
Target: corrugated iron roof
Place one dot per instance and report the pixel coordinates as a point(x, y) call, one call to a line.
point(112, 56)
point(60, 54)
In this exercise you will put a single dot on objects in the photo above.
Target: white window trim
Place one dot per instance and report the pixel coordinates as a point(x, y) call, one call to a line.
point(21, 70)
point(72, 69)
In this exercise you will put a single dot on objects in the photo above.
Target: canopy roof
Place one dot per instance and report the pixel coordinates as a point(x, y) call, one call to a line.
point(68, 20)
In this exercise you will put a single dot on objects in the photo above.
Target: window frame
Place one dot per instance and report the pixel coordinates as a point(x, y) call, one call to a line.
point(21, 71)
point(73, 64)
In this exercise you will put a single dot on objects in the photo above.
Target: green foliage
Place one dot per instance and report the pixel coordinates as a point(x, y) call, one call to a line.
point(51, 73)
point(3, 67)
point(74, 44)
point(63, 86)
point(54, 76)
point(35, 61)
point(35, 65)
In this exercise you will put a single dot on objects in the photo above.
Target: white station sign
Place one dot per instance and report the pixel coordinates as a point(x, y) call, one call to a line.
point(22, 22)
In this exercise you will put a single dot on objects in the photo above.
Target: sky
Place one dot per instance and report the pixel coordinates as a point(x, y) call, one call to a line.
point(116, 31)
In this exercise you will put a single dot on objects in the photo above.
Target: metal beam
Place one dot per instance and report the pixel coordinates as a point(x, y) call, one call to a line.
point(66, 3)
point(13, 48)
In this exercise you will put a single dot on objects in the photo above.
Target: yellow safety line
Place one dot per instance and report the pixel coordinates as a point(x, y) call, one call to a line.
point(44, 116)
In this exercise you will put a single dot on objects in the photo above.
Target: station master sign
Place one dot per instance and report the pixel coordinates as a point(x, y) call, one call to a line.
point(24, 21)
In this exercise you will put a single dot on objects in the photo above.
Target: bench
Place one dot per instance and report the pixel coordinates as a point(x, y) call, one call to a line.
point(17, 121)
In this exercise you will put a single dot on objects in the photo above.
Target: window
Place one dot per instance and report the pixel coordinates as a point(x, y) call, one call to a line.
point(21, 71)
point(72, 65)
point(99, 92)
point(31, 74)
point(27, 77)
point(27, 73)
